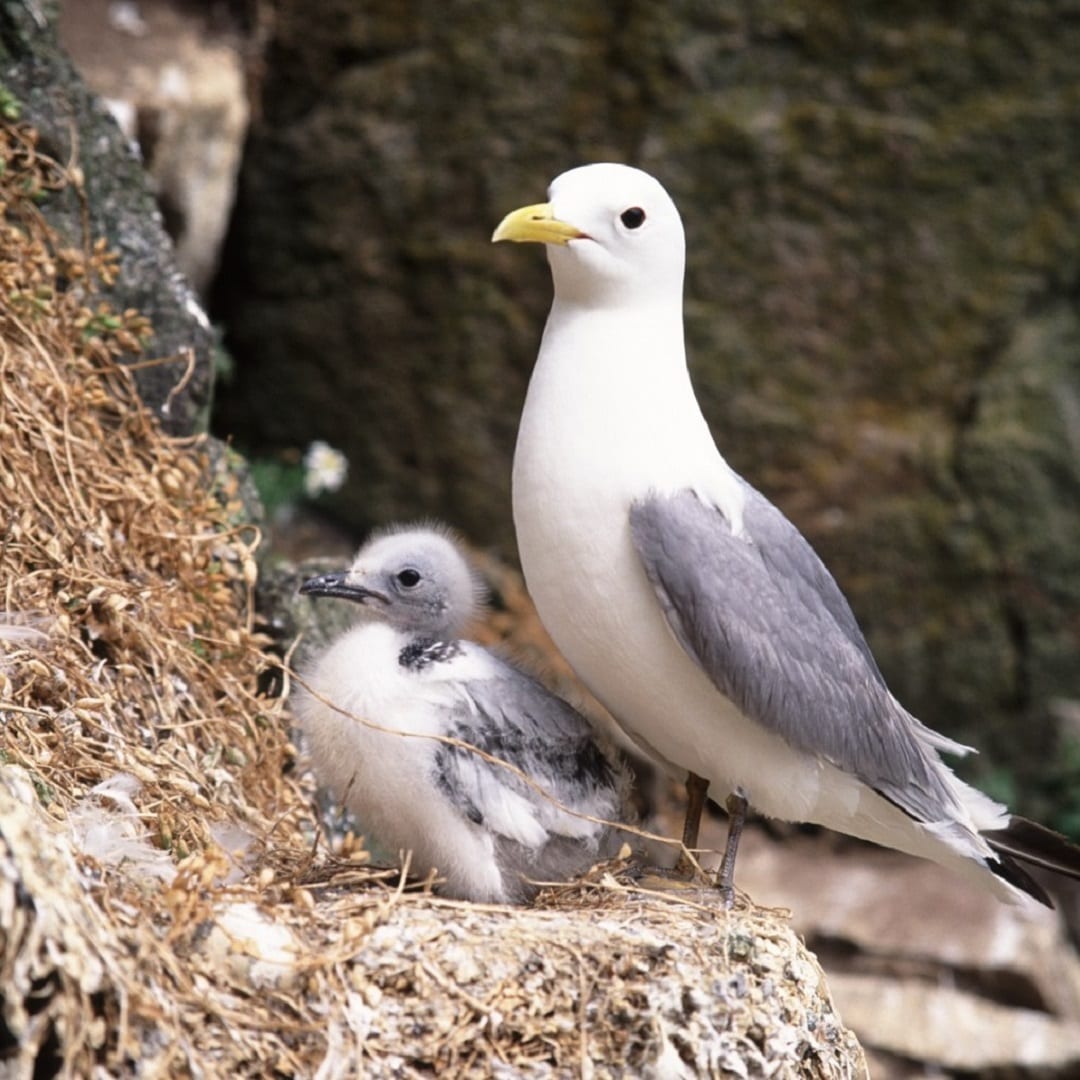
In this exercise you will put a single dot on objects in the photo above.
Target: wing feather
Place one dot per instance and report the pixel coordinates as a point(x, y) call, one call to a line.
point(763, 617)
point(515, 719)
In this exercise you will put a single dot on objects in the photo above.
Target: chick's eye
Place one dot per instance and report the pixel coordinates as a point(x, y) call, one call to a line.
point(409, 577)
point(633, 218)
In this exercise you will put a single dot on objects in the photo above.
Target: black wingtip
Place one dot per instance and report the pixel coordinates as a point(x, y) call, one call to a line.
point(1008, 869)
point(1023, 841)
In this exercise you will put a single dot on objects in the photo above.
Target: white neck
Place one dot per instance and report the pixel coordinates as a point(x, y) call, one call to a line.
point(610, 406)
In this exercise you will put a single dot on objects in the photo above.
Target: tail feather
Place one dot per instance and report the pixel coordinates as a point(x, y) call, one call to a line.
point(1023, 841)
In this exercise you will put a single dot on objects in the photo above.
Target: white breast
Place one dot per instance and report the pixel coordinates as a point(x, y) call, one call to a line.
point(596, 434)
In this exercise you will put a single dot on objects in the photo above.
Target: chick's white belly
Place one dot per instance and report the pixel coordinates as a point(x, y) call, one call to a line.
point(388, 778)
point(385, 778)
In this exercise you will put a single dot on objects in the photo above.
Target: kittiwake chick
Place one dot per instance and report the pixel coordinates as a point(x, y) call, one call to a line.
point(405, 668)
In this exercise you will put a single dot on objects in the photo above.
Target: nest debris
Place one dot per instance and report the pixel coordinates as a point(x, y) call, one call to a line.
point(163, 909)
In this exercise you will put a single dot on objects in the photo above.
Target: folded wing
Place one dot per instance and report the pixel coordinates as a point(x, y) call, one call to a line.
point(762, 616)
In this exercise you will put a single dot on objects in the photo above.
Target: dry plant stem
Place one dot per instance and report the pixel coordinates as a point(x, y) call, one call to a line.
point(132, 559)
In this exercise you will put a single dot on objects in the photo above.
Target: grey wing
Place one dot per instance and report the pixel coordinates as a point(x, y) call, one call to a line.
point(515, 719)
point(764, 618)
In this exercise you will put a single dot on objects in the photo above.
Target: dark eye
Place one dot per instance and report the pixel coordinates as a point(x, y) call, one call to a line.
point(633, 218)
point(409, 577)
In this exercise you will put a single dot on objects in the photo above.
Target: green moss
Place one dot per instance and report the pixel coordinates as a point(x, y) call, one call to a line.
point(10, 106)
point(278, 481)
point(45, 792)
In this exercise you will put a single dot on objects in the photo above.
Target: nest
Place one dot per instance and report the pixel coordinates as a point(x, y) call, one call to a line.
point(165, 905)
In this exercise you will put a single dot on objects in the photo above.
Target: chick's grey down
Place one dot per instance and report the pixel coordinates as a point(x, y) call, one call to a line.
point(686, 602)
point(405, 669)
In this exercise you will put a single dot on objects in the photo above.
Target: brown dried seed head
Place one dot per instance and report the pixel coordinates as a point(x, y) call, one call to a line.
point(116, 603)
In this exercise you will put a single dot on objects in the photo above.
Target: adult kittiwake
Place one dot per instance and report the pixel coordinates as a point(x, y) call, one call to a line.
point(404, 668)
point(687, 602)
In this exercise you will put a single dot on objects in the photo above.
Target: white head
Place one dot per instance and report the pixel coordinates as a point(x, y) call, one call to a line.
point(613, 236)
point(413, 577)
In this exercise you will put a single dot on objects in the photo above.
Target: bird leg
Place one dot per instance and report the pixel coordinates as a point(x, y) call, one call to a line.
point(725, 880)
point(696, 789)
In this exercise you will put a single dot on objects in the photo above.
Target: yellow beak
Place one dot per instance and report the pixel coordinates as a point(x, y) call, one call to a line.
point(536, 224)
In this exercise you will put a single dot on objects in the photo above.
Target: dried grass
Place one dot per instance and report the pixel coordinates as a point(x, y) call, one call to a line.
point(129, 649)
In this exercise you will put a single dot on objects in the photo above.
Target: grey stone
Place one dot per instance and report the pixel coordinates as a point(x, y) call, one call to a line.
point(178, 86)
point(77, 130)
point(925, 966)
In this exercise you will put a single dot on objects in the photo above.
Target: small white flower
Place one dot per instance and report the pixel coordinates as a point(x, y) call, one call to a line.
point(325, 468)
point(125, 16)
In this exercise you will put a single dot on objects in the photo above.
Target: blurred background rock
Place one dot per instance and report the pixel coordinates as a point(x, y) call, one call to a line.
point(883, 210)
point(883, 301)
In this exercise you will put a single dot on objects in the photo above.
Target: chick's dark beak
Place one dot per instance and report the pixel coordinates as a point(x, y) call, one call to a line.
point(337, 584)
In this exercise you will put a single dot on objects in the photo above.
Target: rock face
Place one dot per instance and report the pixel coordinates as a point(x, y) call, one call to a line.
point(599, 980)
point(175, 81)
point(110, 199)
point(932, 973)
point(883, 210)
